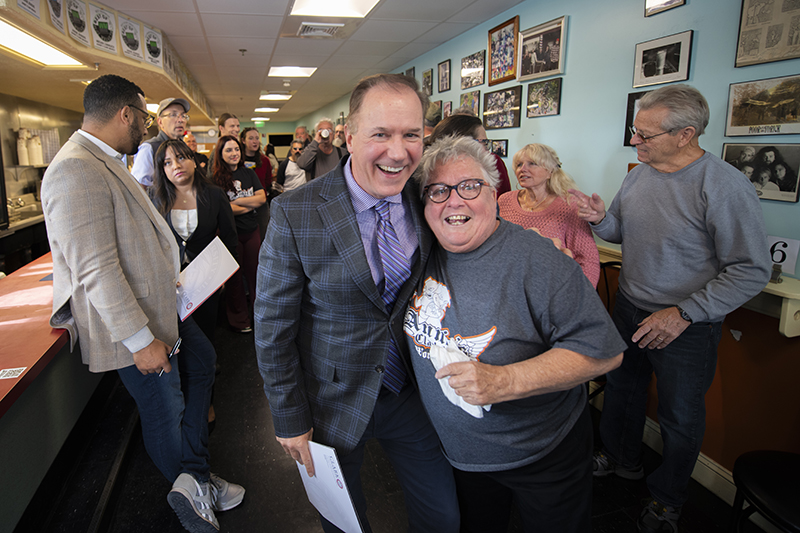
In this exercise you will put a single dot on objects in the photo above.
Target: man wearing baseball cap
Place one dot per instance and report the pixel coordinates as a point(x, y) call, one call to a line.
point(171, 118)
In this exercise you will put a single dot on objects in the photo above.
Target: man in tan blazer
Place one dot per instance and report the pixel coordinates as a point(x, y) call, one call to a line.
point(115, 268)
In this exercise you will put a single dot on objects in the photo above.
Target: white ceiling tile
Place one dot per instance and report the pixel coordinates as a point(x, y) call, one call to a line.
point(383, 48)
point(445, 31)
point(230, 45)
point(220, 25)
point(172, 22)
point(386, 30)
point(425, 10)
point(315, 47)
point(483, 10)
point(254, 7)
point(126, 6)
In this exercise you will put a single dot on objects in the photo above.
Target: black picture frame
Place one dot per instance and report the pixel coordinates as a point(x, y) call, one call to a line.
point(544, 98)
point(774, 176)
point(500, 147)
point(502, 109)
point(768, 32)
point(444, 75)
point(633, 107)
point(473, 70)
point(663, 60)
point(411, 72)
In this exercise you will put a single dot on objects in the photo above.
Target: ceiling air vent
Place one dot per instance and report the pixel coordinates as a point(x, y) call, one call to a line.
point(317, 29)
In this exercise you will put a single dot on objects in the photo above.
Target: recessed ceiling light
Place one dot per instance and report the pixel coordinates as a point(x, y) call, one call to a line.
point(267, 110)
point(326, 8)
point(32, 48)
point(275, 97)
point(291, 72)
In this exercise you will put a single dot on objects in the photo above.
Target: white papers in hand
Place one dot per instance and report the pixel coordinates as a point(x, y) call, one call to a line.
point(327, 490)
point(441, 357)
point(204, 276)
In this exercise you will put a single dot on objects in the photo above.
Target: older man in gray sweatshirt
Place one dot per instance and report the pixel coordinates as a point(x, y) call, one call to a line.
point(694, 249)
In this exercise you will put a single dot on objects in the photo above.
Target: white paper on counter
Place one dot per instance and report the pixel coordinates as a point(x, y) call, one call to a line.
point(327, 490)
point(204, 275)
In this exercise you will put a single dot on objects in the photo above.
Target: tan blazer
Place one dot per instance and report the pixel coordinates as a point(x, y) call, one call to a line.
point(115, 261)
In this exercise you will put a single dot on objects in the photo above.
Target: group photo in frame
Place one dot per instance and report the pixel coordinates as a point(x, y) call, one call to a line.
point(772, 168)
point(633, 108)
point(503, 41)
point(500, 147)
point(764, 107)
point(473, 69)
point(768, 31)
point(444, 76)
point(544, 98)
point(427, 81)
point(472, 100)
point(651, 7)
point(501, 109)
point(542, 50)
point(663, 60)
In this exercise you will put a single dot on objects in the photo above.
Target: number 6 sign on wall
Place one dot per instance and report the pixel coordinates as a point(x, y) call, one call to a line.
point(784, 252)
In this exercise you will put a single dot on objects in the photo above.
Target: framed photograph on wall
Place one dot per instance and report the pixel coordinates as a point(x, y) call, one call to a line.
point(500, 147)
point(503, 41)
point(633, 107)
point(542, 50)
point(772, 169)
point(411, 72)
point(434, 111)
point(663, 60)
point(447, 109)
point(472, 100)
point(444, 76)
point(768, 31)
point(501, 109)
point(544, 98)
point(764, 107)
point(651, 7)
point(427, 81)
point(473, 68)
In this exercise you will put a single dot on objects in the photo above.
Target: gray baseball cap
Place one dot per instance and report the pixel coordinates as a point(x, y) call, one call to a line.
point(163, 104)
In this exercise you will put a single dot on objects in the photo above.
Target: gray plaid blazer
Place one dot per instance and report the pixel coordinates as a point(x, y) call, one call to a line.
point(322, 330)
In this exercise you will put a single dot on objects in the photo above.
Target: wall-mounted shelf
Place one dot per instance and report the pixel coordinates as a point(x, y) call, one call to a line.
point(778, 300)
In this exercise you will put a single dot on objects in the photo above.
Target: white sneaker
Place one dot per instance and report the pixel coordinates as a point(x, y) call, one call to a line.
point(191, 501)
point(224, 495)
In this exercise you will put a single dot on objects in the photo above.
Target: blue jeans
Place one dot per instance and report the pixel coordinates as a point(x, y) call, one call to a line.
point(402, 428)
point(173, 408)
point(684, 371)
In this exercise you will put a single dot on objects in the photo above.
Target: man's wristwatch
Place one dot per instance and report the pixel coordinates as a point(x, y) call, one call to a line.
point(684, 314)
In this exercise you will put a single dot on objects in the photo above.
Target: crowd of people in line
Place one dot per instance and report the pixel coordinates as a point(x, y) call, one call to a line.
point(395, 293)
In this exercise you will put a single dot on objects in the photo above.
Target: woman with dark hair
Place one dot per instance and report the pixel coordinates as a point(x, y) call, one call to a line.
point(261, 165)
point(269, 151)
point(471, 126)
point(246, 195)
point(196, 211)
point(784, 176)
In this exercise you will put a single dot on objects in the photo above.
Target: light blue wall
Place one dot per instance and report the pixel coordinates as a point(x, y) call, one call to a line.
point(600, 45)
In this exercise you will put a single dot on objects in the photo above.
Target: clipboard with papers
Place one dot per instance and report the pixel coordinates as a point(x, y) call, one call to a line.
point(327, 490)
point(203, 276)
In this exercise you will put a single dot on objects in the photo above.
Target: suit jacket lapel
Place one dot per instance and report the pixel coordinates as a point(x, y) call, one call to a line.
point(129, 182)
point(340, 221)
point(425, 239)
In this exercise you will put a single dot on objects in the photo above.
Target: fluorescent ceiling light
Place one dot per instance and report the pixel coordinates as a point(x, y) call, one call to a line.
point(259, 119)
point(267, 110)
point(291, 72)
point(153, 108)
point(31, 47)
point(326, 8)
point(275, 97)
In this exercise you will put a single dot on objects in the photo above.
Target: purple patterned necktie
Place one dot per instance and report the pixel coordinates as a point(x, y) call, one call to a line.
point(395, 272)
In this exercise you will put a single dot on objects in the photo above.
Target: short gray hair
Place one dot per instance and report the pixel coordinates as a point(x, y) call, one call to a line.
point(687, 107)
point(320, 121)
point(448, 149)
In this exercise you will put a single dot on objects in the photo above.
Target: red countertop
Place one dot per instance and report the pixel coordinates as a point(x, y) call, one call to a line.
point(26, 338)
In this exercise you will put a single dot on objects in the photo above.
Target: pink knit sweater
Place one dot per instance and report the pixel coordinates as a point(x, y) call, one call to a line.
point(558, 220)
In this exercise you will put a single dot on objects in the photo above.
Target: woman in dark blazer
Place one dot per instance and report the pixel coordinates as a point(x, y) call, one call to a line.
point(196, 211)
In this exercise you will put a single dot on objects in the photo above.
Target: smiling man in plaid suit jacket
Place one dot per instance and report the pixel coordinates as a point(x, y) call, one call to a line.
point(330, 349)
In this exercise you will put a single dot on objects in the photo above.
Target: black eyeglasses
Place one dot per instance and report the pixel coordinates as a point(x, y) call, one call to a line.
point(646, 138)
point(148, 120)
point(467, 189)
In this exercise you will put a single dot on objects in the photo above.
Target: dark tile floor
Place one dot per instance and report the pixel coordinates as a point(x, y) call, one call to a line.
point(244, 450)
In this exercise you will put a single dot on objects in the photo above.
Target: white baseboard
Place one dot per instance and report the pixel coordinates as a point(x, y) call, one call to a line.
point(708, 473)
